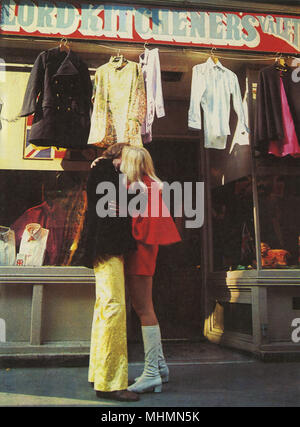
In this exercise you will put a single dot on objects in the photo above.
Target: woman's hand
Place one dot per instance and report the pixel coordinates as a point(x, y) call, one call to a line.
point(113, 208)
point(96, 161)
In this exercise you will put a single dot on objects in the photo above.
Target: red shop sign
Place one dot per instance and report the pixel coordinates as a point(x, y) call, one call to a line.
point(156, 25)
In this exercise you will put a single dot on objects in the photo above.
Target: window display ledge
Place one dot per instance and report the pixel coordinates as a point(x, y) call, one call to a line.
point(46, 275)
point(275, 277)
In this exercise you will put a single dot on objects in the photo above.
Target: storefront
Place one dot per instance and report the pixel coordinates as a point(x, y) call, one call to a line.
point(215, 283)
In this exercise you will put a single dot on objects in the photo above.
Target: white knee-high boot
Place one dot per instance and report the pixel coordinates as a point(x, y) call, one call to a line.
point(162, 364)
point(150, 379)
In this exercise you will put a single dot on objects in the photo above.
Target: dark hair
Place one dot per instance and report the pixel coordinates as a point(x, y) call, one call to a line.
point(114, 151)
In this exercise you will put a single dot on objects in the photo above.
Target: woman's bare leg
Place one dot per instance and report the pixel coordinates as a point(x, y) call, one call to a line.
point(140, 291)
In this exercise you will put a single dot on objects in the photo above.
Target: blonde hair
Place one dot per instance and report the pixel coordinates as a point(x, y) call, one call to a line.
point(136, 163)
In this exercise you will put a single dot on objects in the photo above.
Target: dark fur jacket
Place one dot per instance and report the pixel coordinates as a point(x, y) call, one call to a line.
point(107, 235)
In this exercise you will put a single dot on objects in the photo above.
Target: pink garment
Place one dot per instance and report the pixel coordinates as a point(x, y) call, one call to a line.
point(49, 217)
point(289, 144)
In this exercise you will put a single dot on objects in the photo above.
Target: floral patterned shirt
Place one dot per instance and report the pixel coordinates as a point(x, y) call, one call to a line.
point(119, 103)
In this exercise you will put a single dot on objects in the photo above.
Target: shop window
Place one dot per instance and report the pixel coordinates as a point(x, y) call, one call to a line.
point(230, 181)
point(278, 192)
point(279, 207)
point(42, 190)
point(233, 225)
point(42, 217)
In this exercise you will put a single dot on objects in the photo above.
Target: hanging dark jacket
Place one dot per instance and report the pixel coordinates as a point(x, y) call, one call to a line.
point(104, 235)
point(59, 93)
point(268, 121)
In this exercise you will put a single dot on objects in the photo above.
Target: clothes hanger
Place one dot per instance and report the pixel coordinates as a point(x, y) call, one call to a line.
point(281, 63)
point(118, 57)
point(212, 55)
point(145, 53)
point(64, 45)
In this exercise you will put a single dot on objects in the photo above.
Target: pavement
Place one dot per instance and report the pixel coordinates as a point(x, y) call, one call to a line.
point(201, 375)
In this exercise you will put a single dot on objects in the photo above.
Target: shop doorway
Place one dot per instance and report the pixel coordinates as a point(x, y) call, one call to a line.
point(177, 284)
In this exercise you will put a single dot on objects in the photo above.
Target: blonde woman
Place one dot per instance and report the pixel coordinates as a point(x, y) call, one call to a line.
point(150, 229)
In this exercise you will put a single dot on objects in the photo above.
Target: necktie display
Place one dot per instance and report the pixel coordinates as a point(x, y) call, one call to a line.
point(33, 244)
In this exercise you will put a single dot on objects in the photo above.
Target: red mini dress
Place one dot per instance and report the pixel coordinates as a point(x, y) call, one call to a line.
point(153, 228)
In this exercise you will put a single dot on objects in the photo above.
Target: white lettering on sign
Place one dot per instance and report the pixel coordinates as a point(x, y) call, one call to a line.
point(134, 23)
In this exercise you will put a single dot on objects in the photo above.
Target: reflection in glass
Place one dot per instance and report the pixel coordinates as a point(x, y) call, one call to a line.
point(42, 217)
point(233, 225)
point(279, 206)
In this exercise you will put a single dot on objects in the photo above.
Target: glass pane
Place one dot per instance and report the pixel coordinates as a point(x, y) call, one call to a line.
point(231, 194)
point(233, 225)
point(41, 217)
point(279, 208)
point(42, 189)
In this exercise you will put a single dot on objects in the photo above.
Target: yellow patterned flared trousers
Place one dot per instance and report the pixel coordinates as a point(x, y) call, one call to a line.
point(108, 366)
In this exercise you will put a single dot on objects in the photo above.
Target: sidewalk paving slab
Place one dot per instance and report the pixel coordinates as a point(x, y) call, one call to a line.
point(212, 377)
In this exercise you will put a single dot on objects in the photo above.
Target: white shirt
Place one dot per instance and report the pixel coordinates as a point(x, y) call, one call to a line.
point(238, 138)
point(7, 246)
point(33, 244)
point(149, 61)
point(212, 86)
